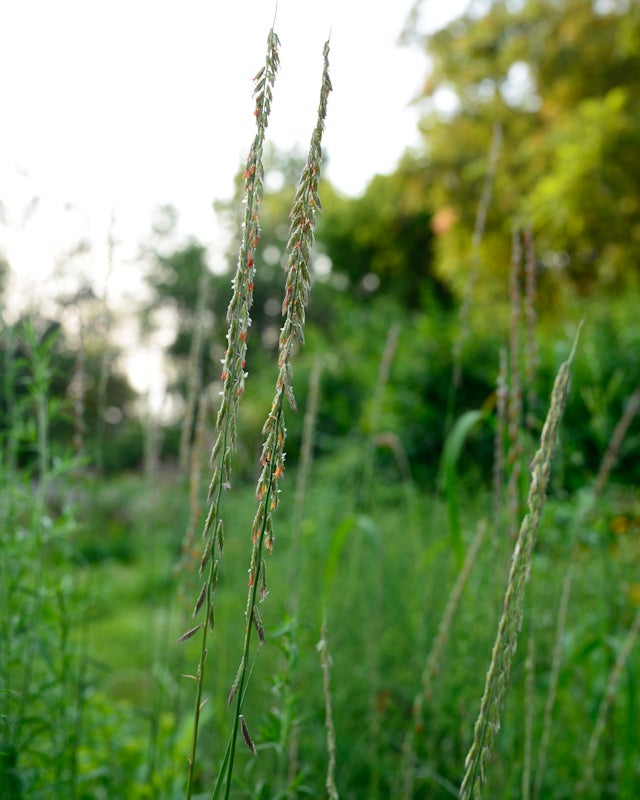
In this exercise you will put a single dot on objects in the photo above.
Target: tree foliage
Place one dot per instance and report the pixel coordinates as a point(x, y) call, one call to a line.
point(383, 240)
point(562, 79)
point(378, 243)
point(92, 409)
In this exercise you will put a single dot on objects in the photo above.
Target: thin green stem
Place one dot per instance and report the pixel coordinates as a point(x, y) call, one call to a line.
point(433, 663)
point(250, 611)
point(233, 377)
point(297, 287)
point(203, 652)
point(325, 663)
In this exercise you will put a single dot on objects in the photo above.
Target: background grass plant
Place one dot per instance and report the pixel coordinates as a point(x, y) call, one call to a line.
point(113, 750)
point(42, 669)
point(489, 718)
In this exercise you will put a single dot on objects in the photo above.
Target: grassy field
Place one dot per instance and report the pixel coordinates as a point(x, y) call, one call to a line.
point(381, 575)
point(453, 616)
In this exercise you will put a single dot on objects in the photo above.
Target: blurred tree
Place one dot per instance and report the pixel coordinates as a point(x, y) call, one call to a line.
point(70, 409)
point(185, 298)
point(4, 278)
point(188, 302)
point(562, 78)
point(383, 240)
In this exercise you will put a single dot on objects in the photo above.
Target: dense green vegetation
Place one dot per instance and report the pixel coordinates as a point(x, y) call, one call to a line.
point(444, 302)
point(98, 602)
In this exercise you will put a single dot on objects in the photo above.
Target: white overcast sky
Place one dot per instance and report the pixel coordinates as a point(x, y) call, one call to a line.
point(113, 108)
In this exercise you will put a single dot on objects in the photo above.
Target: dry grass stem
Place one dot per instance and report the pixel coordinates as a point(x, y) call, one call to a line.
point(302, 478)
point(391, 344)
point(502, 394)
point(106, 357)
point(190, 548)
point(325, 662)
point(78, 387)
point(553, 685)
point(497, 678)
point(195, 373)
point(617, 439)
point(476, 241)
point(529, 693)
point(607, 702)
point(531, 355)
point(434, 660)
point(514, 404)
point(152, 441)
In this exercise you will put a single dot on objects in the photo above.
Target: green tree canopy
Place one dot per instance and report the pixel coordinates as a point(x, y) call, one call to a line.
point(562, 79)
point(383, 240)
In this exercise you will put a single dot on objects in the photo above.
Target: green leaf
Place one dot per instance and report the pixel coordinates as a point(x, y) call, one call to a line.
point(449, 475)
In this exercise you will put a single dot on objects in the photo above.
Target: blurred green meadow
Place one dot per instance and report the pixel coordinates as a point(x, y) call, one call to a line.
point(99, 581)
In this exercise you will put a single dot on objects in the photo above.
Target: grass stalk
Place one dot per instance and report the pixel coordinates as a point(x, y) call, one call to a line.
point(497, 678)
point(514, 402)
point(617, 438)
point(298, 284)
point(189, 549)
point(233, 377)
point(433, 662)
point(302, 479)
point(9, 440)
point(384, 369)
point(498, 441)
point(78, 387)
point(195, 374)
point(607, 702)
point(373, 639)
point(529, 701)
point(531, 355)
point(39, 385)
point(363, 493)
point(152, 441)
point(325, 662)
point(553, 685)
point(476, 241)
point(105, 356)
